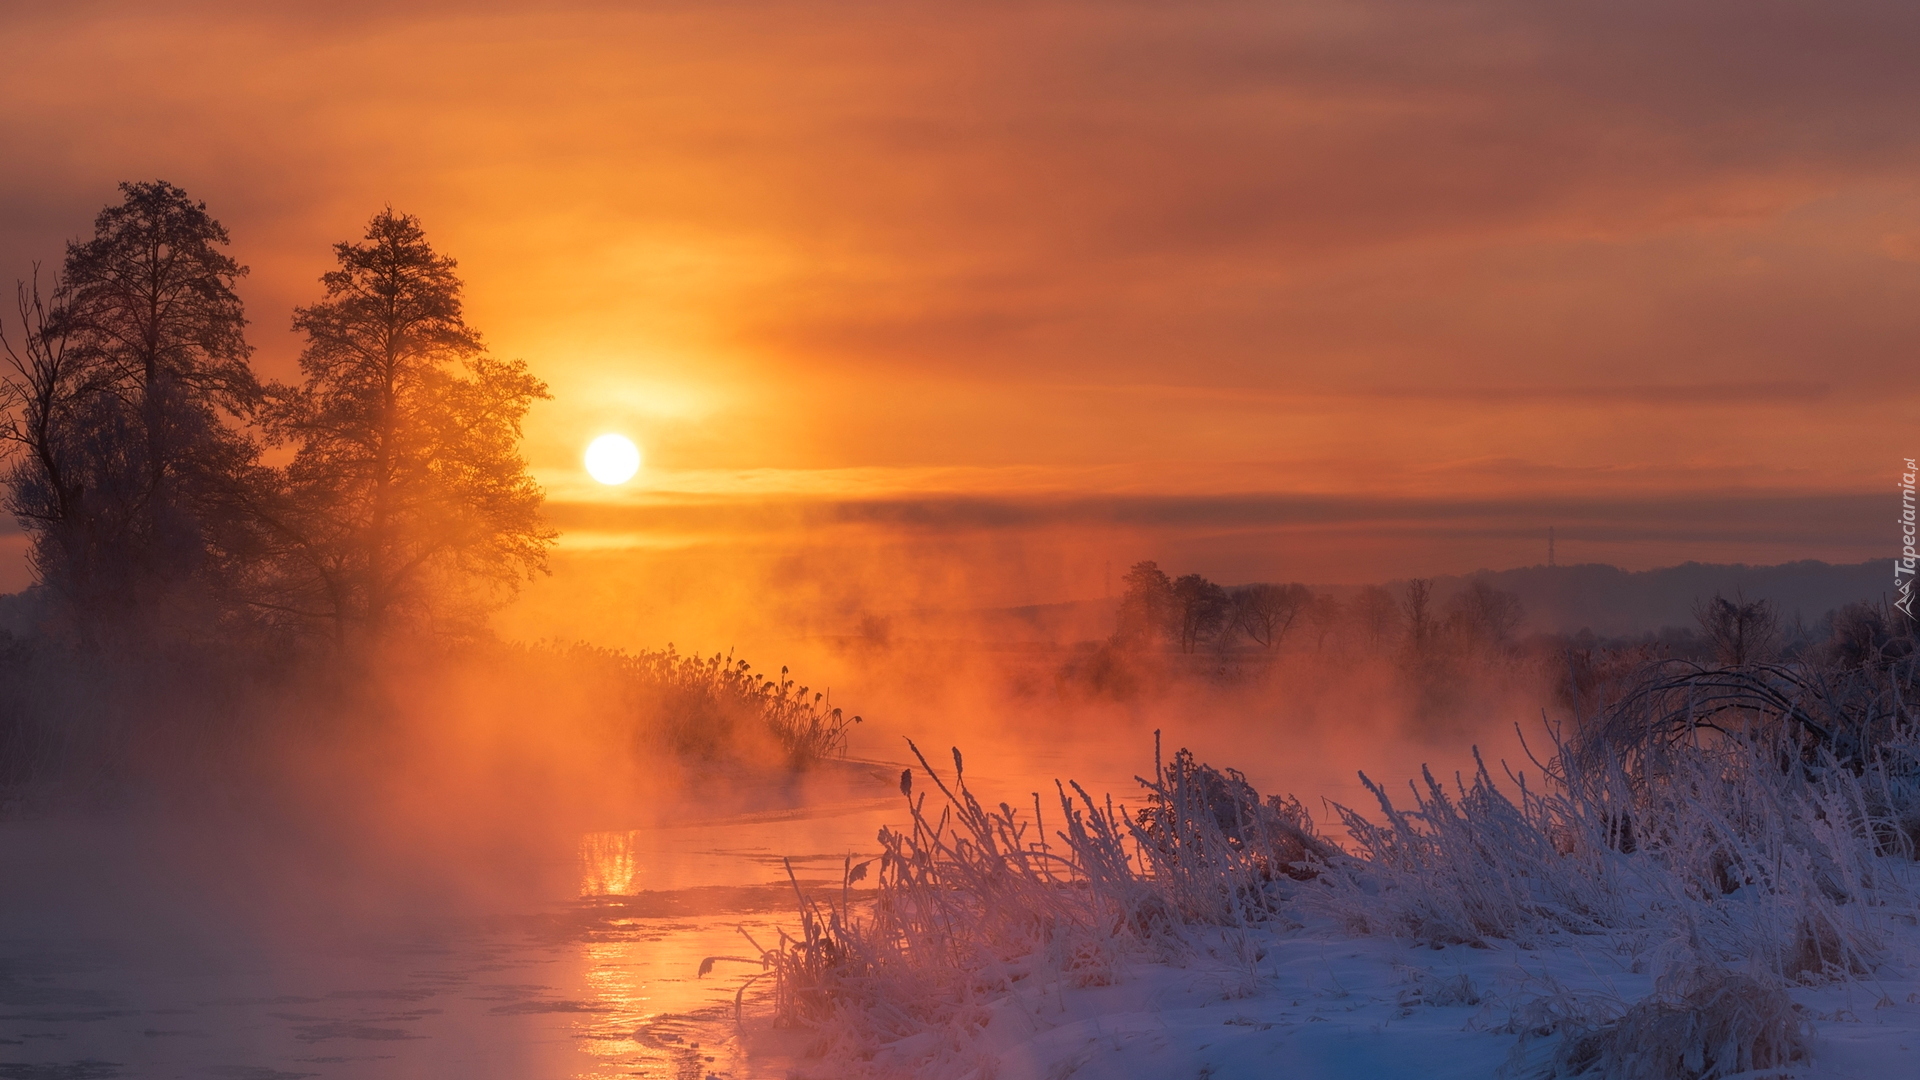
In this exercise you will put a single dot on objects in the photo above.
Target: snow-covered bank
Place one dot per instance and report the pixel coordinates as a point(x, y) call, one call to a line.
point(1673, 894)
point(1323, 1005)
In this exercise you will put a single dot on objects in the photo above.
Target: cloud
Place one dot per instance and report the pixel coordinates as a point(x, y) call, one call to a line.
point(1377, 244)
point(1821, 520)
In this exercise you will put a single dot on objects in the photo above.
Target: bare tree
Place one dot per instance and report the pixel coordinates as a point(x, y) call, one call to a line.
point(40, 398)
point(1266, 612)
point(1860, 635)
point(1323, 614)
point(1377, 613)
point(1416, 610)
point(1741, 632)
point(1484, 613)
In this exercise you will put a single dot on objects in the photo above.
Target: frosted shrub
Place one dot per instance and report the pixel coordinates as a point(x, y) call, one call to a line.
point(1700, 1025)
point(1468, 866)
point(970, 902)
point(1216, 850)
point(703, 706)
point(1735, 833)
point(1760, 829)
point(1891, 784)
point(1846, 712)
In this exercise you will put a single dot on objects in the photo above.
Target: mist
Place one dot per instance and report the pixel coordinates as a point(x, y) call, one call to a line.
point(531, 847)
point(273, 823)
point(1148, 543)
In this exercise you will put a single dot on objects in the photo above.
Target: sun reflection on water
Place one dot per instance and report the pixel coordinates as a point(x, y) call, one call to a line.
point(653, 903)
point(648, 1012)
point(608, 864)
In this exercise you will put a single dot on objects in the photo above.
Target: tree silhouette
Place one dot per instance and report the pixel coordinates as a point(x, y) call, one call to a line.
point(1416, 609)
point(1147, 609)
point(407, 497)
point(1200, 610)
point(1323, 613)
point(1741, 632)
point(131, 480)
point(1266, 612)
point(1377, 613)
point(41, 398)
point(1484, 613)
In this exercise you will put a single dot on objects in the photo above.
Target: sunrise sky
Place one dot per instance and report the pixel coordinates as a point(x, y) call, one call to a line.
point(1017, 293)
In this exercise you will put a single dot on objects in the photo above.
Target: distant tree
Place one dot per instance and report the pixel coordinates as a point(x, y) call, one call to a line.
point(407, 494)
point(1416, 612)
point(1740, 632)
point(1377, 613)
point(1484, 613)
point(1200, 610)
point(134, 481)
point(1323, 614)
point(1860, 635)
point(42, 402)
point(1147, 605)
point(1266, 612)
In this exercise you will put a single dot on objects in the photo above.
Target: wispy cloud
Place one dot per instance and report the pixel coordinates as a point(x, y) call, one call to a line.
point(1477, 249)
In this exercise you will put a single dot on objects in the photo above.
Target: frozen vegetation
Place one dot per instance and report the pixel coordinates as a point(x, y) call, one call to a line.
point(1707, 872)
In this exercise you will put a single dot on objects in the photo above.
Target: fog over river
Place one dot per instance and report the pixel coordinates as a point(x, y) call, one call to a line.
point(222, 948)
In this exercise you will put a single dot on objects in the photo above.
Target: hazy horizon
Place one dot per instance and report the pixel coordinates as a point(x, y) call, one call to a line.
point(592, 539)
point(1328, 292)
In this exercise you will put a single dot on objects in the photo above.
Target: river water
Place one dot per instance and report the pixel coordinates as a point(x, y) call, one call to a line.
point(153, 949)
point(145, 949)
point(590, 968)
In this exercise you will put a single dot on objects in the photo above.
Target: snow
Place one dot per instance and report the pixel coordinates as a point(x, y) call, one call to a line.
point(1320, 1005)
point(1767, 922)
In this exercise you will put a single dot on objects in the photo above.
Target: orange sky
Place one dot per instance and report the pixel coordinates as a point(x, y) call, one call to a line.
point(1297, 290)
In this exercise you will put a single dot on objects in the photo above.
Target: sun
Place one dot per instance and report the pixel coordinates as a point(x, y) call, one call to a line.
point(612, 459)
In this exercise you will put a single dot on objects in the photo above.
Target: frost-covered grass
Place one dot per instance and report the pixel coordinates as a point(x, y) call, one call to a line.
point(702, 706)
point(1667, 898)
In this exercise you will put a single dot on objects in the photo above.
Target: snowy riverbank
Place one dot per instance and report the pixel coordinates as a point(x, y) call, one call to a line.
point(1320, 1005)
point(1664, 899)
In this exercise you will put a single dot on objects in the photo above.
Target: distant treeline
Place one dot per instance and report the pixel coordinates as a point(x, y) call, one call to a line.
point(138, 440)
point(1613, 602)
point(1191, 612)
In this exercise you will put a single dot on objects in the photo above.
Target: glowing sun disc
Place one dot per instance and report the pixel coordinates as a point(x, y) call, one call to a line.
point(612, 459)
